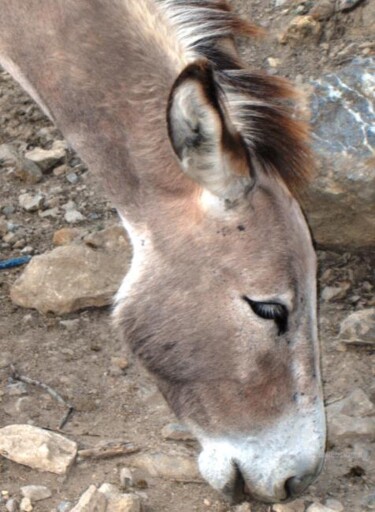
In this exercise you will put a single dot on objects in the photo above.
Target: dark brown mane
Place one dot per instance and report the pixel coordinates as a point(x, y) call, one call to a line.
point(260, 106)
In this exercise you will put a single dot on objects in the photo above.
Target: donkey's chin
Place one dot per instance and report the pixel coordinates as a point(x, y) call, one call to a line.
point(276, 465)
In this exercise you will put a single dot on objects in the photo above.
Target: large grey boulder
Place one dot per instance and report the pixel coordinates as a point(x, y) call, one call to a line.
point(341, 203)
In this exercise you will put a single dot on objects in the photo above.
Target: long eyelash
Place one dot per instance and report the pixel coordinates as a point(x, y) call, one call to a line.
point(270, 311)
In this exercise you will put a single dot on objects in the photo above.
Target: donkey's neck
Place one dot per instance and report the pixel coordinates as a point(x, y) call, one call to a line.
point(103, 70)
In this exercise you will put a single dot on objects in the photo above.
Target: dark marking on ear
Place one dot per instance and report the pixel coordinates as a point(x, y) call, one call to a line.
point(241, 228)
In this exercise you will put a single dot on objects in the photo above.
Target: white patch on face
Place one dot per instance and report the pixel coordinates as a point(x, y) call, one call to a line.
point(17, 74)
point(266, 460)
point(213, 204)
point(141, 243)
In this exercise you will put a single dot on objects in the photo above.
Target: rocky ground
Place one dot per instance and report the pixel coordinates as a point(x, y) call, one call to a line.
point(120, 449)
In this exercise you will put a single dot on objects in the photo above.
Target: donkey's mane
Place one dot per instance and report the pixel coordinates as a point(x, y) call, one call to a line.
point(259, 105)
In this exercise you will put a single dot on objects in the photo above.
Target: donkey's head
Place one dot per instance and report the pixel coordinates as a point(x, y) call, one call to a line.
point(223, 312)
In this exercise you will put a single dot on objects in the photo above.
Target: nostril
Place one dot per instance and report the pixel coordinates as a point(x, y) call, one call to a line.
point(236, 490)
point(295, 485)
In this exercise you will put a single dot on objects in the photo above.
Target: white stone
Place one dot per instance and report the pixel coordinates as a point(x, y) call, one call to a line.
point(54, 213)
point(46, 159)
point(31, 202)
point(126, 478)
point(334, 292)
point(108, 489)
point(36, 492)
point(73, 216)
point(359, 327)
point(37, 448)
point(91, 501)
point(25, 505)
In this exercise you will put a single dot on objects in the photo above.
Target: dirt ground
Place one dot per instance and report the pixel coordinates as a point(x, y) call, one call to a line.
point(79, 360)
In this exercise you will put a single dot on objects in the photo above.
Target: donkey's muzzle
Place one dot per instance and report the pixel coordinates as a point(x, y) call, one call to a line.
point(292, 488)
point(274, 465)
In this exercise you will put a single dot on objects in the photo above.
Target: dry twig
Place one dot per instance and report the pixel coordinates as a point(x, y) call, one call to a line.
point(108, 449)
point(54, 394)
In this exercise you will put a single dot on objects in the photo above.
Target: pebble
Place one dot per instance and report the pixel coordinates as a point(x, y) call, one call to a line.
point(323, 9)
point(177, 432)
point(244, 507)
point(120, 362)
point(31, 202)
point(64, 506)
point(12, 505)
point(28, 249)
point(334, 505)
point(318, 507)
point(9, 238)
point(24, 169)
point(347, 4)
point(126, 478)
point(106, 238)
point(295, 506)
point(171, 467)
point(335, 292)
point(108, 489)
point(91, 501)
point(47, 159)
point(8, 210)
point(25, 505)
point(273, 62)
point(301, 28)
point(61, 170)
point(359, 328)
point(73, 217)
point(118, 502)
point(54, 213)
point(36, 492)
point(65, 236)
point(28, 171)
point(72, 177)
point(37, 448)
point(135, 478)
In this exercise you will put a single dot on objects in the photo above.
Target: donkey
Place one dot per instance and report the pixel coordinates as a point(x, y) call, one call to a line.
point(202, 159)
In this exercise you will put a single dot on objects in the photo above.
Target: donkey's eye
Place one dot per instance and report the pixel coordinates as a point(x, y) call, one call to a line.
point(270, 311)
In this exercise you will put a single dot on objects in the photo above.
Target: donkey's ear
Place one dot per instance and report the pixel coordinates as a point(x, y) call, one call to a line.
point(209, 149)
